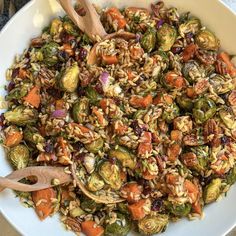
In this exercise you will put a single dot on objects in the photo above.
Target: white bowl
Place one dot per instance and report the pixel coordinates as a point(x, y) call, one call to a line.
point(219, 218)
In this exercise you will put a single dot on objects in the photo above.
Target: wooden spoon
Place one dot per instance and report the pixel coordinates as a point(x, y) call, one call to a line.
point(45, 176)
point(91, 25)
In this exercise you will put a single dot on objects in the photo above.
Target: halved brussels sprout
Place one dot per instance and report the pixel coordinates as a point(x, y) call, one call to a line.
point(170, 113)
point(123, 208)
point(95, 146)
point(70, 28)
point(18, 92)
point(77, 212)
point(19, 156)
point(231, 176)
point(89, 205)
point(203, 110)
point(212, 191)
point(205, 39)
point(185, 103)
point(191, 26)
point(50, 53)
point(148, 41)
point(227, 116)
point(124, 156)
point(179, 210)
point(70, 78)
point(92, 95)
point(120, 227)
point(31, 134)
point(110, 174)
point(56, 25)
point(166, 36)
point(155, 224)
point(202, 153)
point(21, 115)
point(80, 110)
point(95, 182)
point(191, 71)
point(221, 85)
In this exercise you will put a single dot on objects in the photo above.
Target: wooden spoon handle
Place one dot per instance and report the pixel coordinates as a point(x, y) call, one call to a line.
point(44, 174)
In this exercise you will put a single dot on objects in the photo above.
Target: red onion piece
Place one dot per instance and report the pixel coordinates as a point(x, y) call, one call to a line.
point(104, 79)
point(59, 113)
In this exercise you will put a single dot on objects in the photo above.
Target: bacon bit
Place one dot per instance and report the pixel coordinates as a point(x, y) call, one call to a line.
point(174, 80)
point(191, 92)
point(59, 104)
point(22, 73)
point(145, 146)
point(141, 102)
point(99, 114)
point(189, 52)
point(176, 135)
point(173, 151)
point(163, 99)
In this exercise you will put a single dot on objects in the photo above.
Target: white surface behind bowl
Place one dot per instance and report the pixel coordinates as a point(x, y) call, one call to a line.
point(28, 23)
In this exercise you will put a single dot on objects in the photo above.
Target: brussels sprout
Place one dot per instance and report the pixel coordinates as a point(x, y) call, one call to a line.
point(212, 191)
point(231, 176)
point(203, 110)
point(19, 156)
point(111, 174)
point(50, 53)
point(77, 212)
point(202, 153)
point(70, 28)
point(166, 36)
point(89, 205)
point(124, 156)
point(148, 41)
point(179, 210)
point(185, 103)
point(191, 26)
point(95, 146)
point(120, 227)
point(92, 95)
point(191, 71)
point(56, 25)
point(21, 115)
point(220, 84)
point(95, 183)
point(155, 224)
point(80, 110)
point(227, 116)
point(69, 79)
point(170, 113)
point(18, 92)
point(123, 208)
point(31, 134)
point(205, 39)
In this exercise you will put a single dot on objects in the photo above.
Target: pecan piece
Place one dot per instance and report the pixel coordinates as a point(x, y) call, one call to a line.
point(73, 224)
point(37, 42)
point(201, 86)
point(193, 140)
point(232, 98)
point(206, 57)
point(211, 133)
point(189, 159)
point(221, 67)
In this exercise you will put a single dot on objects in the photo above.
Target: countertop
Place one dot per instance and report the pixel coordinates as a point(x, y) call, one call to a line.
point(5, 228)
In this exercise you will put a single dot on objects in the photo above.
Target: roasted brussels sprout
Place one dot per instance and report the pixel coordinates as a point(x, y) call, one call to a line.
point(170, 113)
point(191, 71)
point(95, 182)
point(203, 110)
point(191, 26)
point(124, 156)
point(80, 110)
point(220, 84)
point(185, 103)
point(19, 156)
point(56, 25)
point(179, 210)
point(77, 212)
point(31, 134)
point(18, 92)
point(50, 53)
point(92, 95)
point(95, 146)
point(166, 36)
point(148, 41)
point(231, 176)
point(69, 79)
point(70, 28)
point(21, 116)
point(120, 227)
point(110, 174)
point(205, 39)
point(123, 208)
point(89, 205)
point(155, 224)
point(227, 116)
point(212, 191)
